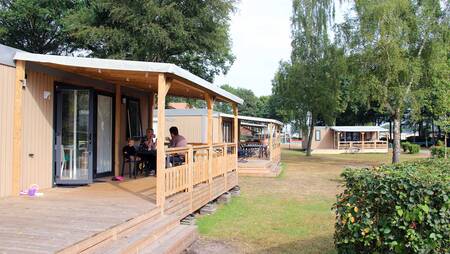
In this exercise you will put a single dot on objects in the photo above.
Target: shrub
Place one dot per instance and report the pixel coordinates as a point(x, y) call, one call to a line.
point(438, 151)
point(405, 146)
point(402, 208)
point(413, 148)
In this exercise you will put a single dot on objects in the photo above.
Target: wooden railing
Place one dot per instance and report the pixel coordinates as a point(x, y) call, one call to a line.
point(344, 145)
point(193, 165)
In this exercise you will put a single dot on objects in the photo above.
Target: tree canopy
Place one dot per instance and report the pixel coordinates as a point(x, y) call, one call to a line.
point(311, 82)
point(394, 42)
point(36, 25)
point(191, 34)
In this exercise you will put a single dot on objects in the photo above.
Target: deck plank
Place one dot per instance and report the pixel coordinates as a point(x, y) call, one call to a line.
point(64, 216)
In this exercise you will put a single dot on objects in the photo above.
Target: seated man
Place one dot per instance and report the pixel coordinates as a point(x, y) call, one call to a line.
point(176, 141)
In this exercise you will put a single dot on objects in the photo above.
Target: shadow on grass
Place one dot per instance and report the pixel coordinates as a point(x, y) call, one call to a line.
point(319, 244)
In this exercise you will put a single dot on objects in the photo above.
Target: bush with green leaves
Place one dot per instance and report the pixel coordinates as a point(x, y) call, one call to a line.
point(413, 148)
point(401, 208)
point(438, 151)
point(405, 146)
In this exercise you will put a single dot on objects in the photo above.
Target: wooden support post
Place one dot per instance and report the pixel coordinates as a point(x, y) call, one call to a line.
point(271, 150)
point(151, 108)
point(163, 88)
point(236, 137)
point(338, 139)
point(362, 140)
point(225, 166)
point(117, 130)
point(191, 175)
point(17, 127)
point(220, 130)
point(209, 137)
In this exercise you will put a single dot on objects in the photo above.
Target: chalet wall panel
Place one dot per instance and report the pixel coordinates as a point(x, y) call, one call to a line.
point(37, 136)
point(189, 126)
point(7, 81)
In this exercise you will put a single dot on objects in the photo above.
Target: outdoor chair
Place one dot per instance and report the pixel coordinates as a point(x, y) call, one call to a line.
point(132, 165)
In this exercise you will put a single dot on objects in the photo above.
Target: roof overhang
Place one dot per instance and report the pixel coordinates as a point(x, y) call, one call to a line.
point(358, 129)
point(253, 119)
point(138, 74)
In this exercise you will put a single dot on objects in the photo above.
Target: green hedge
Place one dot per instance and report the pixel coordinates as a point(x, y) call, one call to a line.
point(410, 147)
point(402, 208)
point(438, 151)
point(405, 146)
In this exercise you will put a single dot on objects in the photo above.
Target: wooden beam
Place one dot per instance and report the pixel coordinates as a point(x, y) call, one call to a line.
point(210, 106)
point(209, 137)
point(17, 127)
point(271, 150)
point(236, 138)
point(163, 88)
point(235, 125)
point(151, 108)
point(362, 140)
point(117, 130)
point(220, 130)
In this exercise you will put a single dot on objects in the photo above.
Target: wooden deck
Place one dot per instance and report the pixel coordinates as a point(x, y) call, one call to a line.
point(65, 216)
point(105, 217)
point(261, 168)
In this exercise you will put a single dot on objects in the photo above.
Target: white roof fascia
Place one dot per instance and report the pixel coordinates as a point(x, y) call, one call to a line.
point(126, 65)
point(255, 119)
point(358, 128)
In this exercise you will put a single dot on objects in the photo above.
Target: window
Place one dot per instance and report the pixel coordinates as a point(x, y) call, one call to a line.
point(134, 127)
point(317, 135)
point(226, 130)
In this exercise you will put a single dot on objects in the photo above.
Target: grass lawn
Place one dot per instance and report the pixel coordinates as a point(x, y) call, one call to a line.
point(288, 214)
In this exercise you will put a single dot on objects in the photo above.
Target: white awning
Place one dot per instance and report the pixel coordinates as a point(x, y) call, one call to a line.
point(126, 65)
point(359, 129)
point(254, 119)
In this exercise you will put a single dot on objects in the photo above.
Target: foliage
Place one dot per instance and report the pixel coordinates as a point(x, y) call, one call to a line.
point(310, 84)
point(191, 34)
point(413, 148)
point(405, 146)
point(36, 25)
point(401, 208)
point(438, 151)
point(401, 50)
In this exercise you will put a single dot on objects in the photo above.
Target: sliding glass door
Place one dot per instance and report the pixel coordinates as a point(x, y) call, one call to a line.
point(73, 147)
point(104, 136)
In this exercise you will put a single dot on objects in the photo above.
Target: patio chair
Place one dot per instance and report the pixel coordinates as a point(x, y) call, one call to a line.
point(132, 165)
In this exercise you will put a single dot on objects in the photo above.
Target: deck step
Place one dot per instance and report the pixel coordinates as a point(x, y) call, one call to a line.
point(175, 242)
point(140, 237)
point(95, 241)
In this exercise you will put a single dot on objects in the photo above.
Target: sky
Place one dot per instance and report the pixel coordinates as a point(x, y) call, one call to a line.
point(261, 35)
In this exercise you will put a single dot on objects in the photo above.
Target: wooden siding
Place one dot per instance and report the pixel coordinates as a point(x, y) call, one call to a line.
point(193, 128)
point(7, 79)
point(37, 133)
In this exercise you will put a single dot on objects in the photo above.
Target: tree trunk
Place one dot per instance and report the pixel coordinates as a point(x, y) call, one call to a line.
point(397, 137)
point(432, 132)
point(445, 145)
point(310, 137)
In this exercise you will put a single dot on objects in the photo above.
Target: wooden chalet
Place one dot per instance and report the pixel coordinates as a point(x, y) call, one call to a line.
point(63, 123)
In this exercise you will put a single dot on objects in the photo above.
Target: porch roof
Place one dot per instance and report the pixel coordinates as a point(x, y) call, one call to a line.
point(253, 119)
point(358, 128)
point(138, 74)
